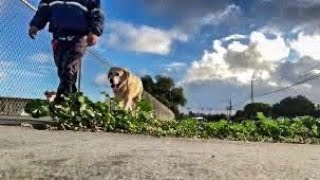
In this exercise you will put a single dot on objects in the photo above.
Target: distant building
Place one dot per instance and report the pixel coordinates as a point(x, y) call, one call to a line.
point(199, 118)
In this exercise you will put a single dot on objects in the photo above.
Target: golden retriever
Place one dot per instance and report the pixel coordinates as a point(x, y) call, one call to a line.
point(126, 87)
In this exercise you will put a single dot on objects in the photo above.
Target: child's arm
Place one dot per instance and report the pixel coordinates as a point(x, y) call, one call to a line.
point(96, 21)
point(40, 19)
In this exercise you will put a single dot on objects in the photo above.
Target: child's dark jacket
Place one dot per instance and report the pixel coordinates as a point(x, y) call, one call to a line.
point(76, 17)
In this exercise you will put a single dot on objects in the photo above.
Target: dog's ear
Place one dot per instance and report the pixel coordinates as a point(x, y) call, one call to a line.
point(110, 72)
point(126, 72)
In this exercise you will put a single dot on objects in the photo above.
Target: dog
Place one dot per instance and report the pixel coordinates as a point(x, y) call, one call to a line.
point(127, 88)
point(50, 96)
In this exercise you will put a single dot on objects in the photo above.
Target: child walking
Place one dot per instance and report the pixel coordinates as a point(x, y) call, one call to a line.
point(74, 25)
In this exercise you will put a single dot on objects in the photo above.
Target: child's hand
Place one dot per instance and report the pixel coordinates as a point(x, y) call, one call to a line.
point(33, 32)
point(92, 39)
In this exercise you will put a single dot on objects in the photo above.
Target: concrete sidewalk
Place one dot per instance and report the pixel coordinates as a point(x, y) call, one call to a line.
point(32, 154)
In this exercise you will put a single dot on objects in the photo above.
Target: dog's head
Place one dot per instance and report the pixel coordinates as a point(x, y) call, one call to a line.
point(118, 77)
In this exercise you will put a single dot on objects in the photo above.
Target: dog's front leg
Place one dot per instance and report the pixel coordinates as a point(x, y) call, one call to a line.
point(128, 104)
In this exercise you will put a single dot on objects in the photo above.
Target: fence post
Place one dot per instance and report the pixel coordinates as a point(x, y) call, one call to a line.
point(79, 78)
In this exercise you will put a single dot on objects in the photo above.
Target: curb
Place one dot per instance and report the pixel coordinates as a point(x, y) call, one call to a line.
point(18, 121)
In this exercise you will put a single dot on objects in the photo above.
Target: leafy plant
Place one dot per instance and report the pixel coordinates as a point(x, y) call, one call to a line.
point(37, 108)
point(78, 112)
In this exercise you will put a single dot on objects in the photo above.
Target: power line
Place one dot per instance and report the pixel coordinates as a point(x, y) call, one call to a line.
point(315, 66)
point(288, 87)
point(311, 69)
point(315, 76)
point(102, 59)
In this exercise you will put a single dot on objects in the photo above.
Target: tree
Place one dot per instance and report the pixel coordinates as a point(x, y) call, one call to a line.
point(165, 91)
point(239, 116)
point(293, 106)
point(148, 83)
point(215, 117)
point(250, 110)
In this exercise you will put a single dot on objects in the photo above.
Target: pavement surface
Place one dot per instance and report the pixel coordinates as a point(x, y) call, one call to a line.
point(26, 153)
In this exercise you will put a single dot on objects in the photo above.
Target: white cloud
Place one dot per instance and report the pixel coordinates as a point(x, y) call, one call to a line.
point(216, 18)
point(307, 45)
point(102, 80)
point(192, 15)
point(270, 49)
point(175, 66)
point(234, 37)
point(176, 34)
point(144, 39)
point(226, 71)
point(237, 46)
point(175, 70)
point(239, 61)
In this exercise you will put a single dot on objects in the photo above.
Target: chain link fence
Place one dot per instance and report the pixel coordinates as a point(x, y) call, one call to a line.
point(27, 68)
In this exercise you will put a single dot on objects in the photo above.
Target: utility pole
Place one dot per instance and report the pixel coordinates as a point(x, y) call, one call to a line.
point(229, 110)
point(252, 88)
point(252, 94)
point(79, 77)
point(171, 100)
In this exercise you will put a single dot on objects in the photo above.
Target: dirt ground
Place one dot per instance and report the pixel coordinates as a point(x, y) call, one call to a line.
point(32, 154)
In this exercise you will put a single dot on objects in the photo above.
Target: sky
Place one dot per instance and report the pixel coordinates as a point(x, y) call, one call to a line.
point(213, 49)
